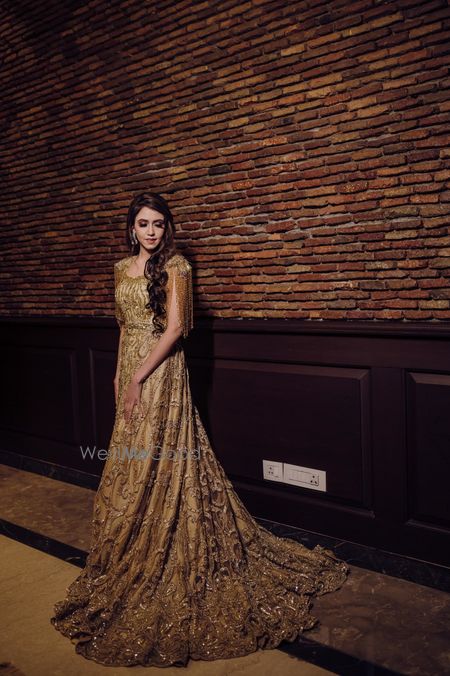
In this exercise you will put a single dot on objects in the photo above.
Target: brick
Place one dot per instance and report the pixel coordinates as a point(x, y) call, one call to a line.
point(307, 163)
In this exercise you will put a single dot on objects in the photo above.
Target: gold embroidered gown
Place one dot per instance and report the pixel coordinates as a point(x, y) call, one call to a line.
point(177, 566)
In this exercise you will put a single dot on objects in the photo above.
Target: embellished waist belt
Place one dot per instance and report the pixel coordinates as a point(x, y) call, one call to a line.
point(142, 326)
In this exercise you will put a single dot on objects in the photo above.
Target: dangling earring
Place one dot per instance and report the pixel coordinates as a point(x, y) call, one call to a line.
point(133, 237)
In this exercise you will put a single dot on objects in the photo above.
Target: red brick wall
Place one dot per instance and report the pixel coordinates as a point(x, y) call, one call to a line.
point(303, 147)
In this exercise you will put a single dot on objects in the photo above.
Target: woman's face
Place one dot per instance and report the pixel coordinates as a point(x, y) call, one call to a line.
point(149, 228)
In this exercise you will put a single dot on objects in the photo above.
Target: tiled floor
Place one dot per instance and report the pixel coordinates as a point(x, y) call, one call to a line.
point(376, 624)
point(30, 582)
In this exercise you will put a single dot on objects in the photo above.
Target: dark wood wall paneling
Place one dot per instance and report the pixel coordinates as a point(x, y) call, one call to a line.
point(367, 403)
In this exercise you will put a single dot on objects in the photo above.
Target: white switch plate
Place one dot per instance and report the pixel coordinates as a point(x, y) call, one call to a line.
point(273, 470)
point(305, 477)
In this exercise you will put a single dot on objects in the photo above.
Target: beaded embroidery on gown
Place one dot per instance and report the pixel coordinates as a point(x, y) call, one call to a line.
point(177, 566)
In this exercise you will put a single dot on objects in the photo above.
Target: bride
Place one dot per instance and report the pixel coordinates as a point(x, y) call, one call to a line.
point(177, 567)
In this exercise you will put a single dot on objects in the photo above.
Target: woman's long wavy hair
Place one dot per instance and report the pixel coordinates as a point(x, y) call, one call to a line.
point(154, 267)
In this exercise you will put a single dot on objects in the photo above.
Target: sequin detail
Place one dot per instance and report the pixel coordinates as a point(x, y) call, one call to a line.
point(177, 567)
point(180, 276)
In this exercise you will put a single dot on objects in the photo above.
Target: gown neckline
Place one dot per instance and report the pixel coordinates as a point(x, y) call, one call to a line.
point(126, 269)
point(128, 265)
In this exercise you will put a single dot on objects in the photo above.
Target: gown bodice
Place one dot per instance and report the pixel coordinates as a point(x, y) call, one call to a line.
point(132, 295)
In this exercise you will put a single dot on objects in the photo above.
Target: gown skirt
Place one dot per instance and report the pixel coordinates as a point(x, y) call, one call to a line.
point(177, 567)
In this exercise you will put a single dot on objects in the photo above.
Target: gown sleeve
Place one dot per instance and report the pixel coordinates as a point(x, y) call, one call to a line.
point(118, 312)
point(179, 282)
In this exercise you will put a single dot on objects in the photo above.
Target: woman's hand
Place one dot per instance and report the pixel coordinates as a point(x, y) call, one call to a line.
point(132, 398)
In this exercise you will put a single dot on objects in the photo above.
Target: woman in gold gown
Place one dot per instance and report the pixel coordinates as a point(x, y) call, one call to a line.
point(177, 567)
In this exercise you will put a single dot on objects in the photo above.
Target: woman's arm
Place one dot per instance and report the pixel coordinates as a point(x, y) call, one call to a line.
point(119, 355)
point(173, 332)
point(179, 315)
point(179, 323)
point(120, 320)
